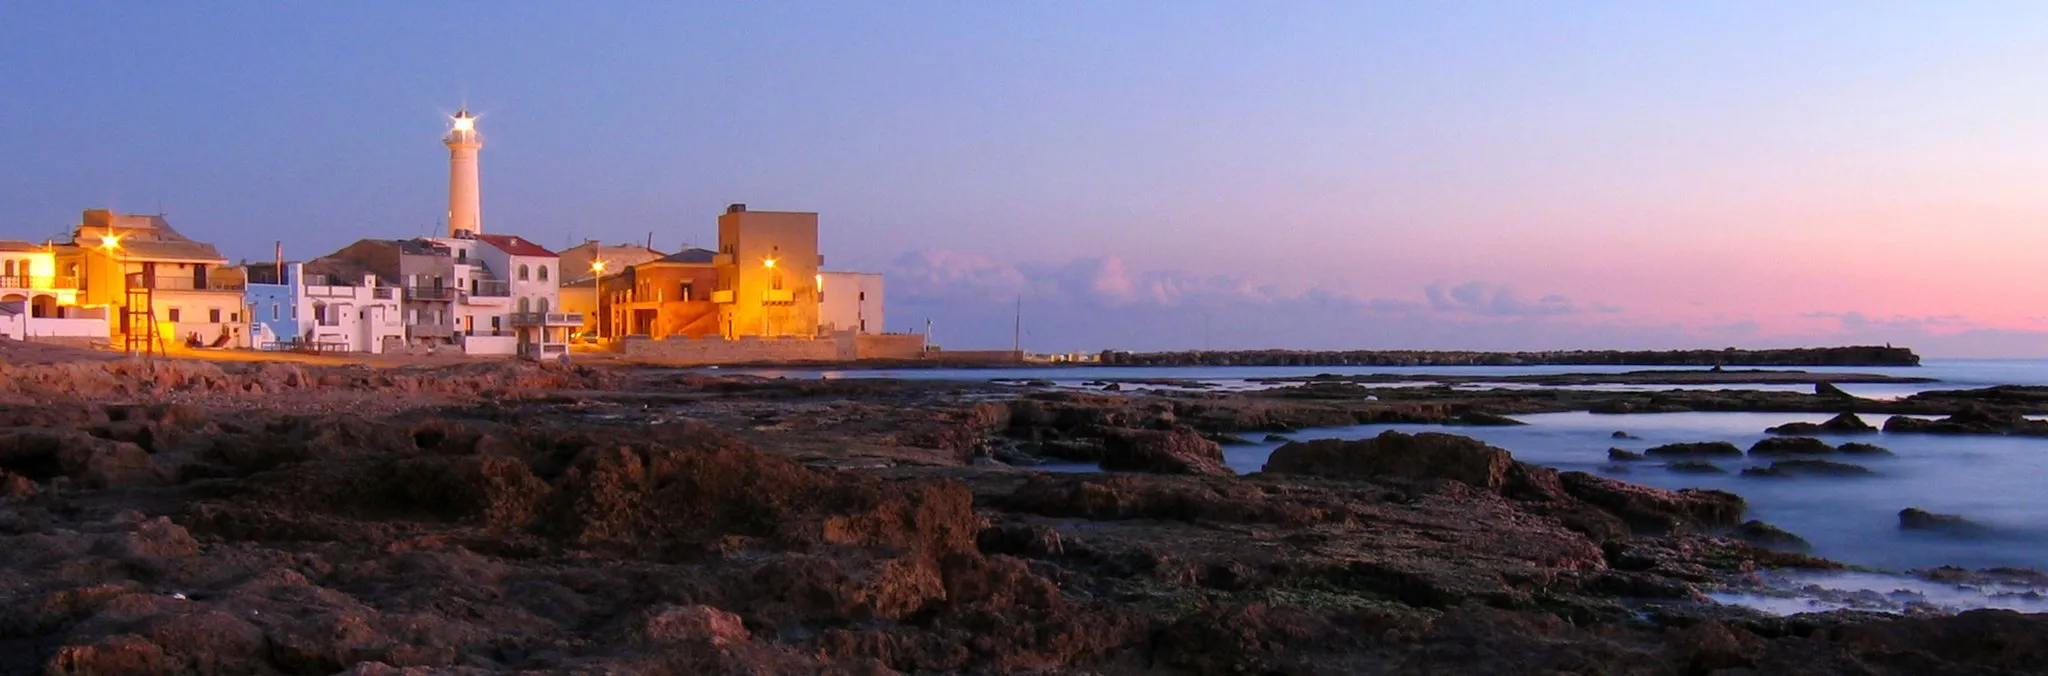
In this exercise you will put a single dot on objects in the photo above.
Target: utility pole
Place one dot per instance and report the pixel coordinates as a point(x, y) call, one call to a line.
point(1017, 329)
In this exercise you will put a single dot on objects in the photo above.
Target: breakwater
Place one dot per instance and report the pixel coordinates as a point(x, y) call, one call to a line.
point(1805, 356)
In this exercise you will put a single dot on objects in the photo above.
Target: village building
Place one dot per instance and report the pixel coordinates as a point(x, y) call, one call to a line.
point(768, 279)
point(302, 309)
point(38, 303)
point(849, 301)
point(670, 296)
point(423, 268)
point(158, 286)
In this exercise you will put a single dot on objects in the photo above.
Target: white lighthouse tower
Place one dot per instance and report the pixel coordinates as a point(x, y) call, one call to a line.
point(465, 203)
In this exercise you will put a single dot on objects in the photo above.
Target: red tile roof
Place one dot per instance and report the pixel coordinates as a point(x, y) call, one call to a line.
point(513, 244)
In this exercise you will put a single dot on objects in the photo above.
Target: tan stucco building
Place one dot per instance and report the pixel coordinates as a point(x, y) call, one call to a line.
point(767, 264)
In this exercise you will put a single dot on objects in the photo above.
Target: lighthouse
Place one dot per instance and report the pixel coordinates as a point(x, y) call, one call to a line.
point(465, 205)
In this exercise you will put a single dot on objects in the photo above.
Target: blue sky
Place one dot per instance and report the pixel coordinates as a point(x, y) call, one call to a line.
point(1590, 174)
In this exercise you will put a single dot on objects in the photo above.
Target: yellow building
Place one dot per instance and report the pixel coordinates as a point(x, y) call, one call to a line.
point(768, 279)
point(28, 275)
point(190, 294)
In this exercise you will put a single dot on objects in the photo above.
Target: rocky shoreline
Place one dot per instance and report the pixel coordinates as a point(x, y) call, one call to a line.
point(1865, 355)
point(266, 518)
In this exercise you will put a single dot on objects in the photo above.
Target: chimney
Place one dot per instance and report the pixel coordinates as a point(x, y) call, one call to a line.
point(736, 208)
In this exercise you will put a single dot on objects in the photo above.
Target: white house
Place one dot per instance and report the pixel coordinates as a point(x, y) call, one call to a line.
point(323, 313)
point(849, 301)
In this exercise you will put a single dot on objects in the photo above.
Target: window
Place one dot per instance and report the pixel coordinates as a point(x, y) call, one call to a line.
point(522, 272)
point(543, 273)
point(775, 281)
point(524, 305)
point(295, 313)
point(273, 312)
point(213, 316)
point(235, 317)
point(174, 314)
point(462, 255)
point(687, 291)
point(863, 296)
point(10, 267)
point(412, 316)
point(543, 306)
point(495, 327)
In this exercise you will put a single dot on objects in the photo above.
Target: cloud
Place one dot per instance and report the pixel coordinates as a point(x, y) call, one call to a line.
point(1096, 303)
point(1495, 300)
point(1100, 302)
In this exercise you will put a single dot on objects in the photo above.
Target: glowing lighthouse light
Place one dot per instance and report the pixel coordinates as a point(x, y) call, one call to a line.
point(465, 204)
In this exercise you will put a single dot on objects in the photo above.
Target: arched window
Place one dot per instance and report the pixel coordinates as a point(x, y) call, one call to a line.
point(543, 273)
point(542, 306)
point(524, 305)
point(10, 267)
point(522, 272)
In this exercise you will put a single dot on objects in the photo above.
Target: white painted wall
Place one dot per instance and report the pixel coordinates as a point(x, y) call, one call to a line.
point(850, 299)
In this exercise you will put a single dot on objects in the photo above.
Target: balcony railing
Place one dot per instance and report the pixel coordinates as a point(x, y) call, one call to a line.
point(37, 282)
point(429, 293)
point(137, 281)
point(547, 319)
point(721, 296)
point(778, 296)
point(490, 288)
point(381, 293)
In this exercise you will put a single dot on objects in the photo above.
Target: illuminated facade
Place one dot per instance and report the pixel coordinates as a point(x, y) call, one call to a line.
point(768, 281)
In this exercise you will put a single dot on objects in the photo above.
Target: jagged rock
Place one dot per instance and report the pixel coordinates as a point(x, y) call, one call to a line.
point(1393, 455)
point(1618, 434)
point(16, 487)
point(1914, 518)
point(1971, 420)
point(1654, 509)
point(1860, 448)
point(1224, 439)
point(1827, 389)
point(1177, 452)
point(1781, 446)
point(1483, 419)
point(1701, 448)
point(1623, 455)
point(1695, 467)
point(1789, 468)
point(1766, 535)
point(1844, 423)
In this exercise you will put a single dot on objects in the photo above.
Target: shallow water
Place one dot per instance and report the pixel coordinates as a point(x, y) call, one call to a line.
point(1821, 592)
point(1994, 481)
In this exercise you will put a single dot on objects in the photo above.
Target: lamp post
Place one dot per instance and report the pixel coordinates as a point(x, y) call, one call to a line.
point(597, 290)
point(769, 264)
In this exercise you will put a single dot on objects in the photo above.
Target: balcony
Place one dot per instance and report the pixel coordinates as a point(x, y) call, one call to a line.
point(721, 259)
point(37, 282)
point(547, 319)
point(778, 296)
point(440, 293)
point(489, 288)
point(137, 281)
point(722, 296)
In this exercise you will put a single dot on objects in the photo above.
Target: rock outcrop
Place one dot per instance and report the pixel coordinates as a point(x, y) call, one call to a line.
point(1845, 423)
point(1971, 420)
point(1783, 446)
point(1394, 455)
point(1695, 449)
point(1170, 452)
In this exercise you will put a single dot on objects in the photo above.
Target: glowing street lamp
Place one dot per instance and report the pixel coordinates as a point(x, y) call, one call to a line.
point(597, 288)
